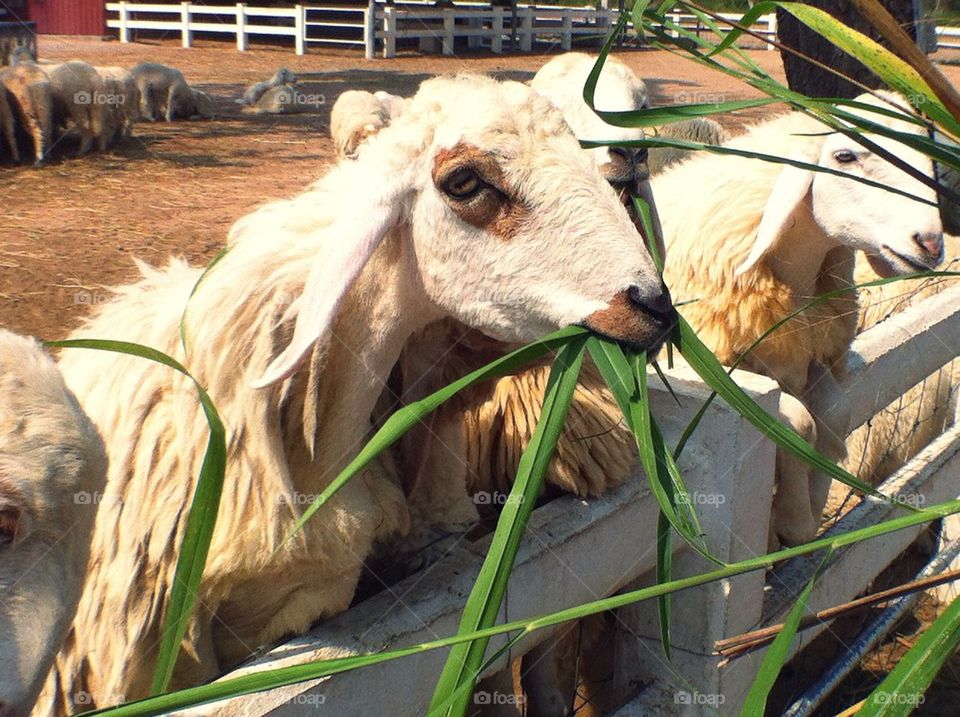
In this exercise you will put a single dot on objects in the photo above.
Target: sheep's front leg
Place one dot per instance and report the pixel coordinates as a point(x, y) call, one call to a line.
point(831, 410)
point(171, 96)
point(792, 521)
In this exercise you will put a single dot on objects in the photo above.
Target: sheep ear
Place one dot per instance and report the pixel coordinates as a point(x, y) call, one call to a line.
point(330, 279)
point(789, 192)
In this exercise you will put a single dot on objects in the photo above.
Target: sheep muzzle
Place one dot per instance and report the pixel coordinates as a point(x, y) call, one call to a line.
point(638, 322)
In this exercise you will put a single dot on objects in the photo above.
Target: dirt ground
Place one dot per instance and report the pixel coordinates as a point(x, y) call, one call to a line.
point(72, 228)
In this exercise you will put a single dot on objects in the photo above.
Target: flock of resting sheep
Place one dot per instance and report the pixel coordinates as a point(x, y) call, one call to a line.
point(92, 104)
point(441, 238)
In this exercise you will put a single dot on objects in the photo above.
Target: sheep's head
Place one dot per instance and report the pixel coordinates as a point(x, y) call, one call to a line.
point(898, 234)
point(513, 231)
point(283, 76)
point(52, 466)
point(618, 89)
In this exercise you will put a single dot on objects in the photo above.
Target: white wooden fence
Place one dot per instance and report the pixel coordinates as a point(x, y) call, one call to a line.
point(377, 25)
point(577, 550)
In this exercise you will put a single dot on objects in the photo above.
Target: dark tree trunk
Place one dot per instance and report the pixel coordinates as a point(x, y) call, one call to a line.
point(805, 77)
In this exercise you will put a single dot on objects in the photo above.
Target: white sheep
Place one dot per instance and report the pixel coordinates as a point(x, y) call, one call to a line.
point(78, 98)
point(561, 80)
point(450, 213)
point(757, 240)
point(52, 469)
point(282, 100)
point(165, 94)
point(28, 94)
point(122, 102)
point(699, 129)
point(283, 76)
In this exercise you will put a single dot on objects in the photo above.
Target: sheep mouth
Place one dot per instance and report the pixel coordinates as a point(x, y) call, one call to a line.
point(635, 328)
point(899, 263)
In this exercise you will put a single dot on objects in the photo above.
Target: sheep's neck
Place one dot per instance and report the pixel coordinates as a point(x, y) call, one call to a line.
point(383, 308)
point(797, 259)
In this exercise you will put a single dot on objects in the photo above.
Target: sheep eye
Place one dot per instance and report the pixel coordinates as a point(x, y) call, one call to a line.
point(9, 520)
point(463, 183)
point(844, 156)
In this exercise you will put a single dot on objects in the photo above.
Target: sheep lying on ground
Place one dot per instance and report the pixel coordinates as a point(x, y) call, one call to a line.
point(78, 99)
point(283, 76)
point(52, 469)
point(122, 105)
point(450, 213)
point(283, 100)
point(27, 90)
point(701, 129)
point(764, 239)
point(165, 94)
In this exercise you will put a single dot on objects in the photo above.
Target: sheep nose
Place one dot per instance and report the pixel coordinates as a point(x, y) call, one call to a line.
point(931, 243)
point(658, 303)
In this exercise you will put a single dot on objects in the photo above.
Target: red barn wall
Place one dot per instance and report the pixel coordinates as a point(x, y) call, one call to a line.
point(68, 17)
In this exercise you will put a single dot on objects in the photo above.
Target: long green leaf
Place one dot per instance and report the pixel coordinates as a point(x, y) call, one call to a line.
point(661, 470)
point(269, 679)
point(483, 605)
point(203, 511)
point(779, 651)
point(403, 419)
point(702, 360)
point(901, 692)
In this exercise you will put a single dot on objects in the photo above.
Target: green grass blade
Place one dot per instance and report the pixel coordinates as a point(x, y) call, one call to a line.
point(716, 377)
point(269, 679)
point(901, 690)
point(483, 605)
point(664, 576)
point(403, 419)
point(629, 386)
point(202, 518)
point(691, 427)
point(778, 653)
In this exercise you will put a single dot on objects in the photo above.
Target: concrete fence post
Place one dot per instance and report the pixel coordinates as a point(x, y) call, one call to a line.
point(449, 21)
point(370, 30)
point(496, 41)
point(389, 32)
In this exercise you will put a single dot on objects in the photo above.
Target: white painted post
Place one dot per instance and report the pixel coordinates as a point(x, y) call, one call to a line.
point(370, 30)
point(772, 29)
point(526, 30)
point(300, 28)
point(474, 22)
point(185, 34)
point(124, 19)
point(496, 43)
point(675, 18)
point(241, 27)
point(389, 31)
point(448, 23)
point(734, 519)
point(566, 33)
